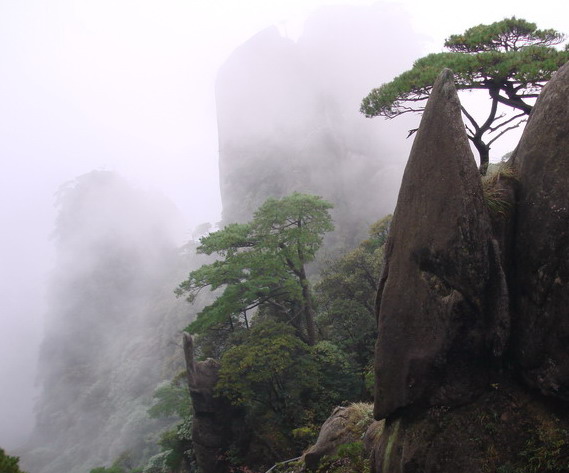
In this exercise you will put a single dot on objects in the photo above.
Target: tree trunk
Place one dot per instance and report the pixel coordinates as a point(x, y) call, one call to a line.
point(308, 308)
point(483, 152)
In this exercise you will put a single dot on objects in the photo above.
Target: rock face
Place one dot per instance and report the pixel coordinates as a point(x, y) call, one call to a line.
point(110, 325)
point(345, 425)
point(287, 120)
point(506, 429)
point(444, 302)
point(212, 427)
point(437, 326)
point(542, 242)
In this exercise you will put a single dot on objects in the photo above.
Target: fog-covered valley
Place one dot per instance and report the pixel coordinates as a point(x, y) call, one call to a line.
point(98, 207)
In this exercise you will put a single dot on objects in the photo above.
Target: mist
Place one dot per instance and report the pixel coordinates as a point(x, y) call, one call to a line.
point(289, 121)
point(111, 324)
point(128, 89)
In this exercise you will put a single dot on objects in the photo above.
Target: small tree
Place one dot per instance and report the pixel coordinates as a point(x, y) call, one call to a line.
point(263, 265)
point(346, 296)
point(284, 384)
point(271, 368)
point(9, 464)
point(511, 59)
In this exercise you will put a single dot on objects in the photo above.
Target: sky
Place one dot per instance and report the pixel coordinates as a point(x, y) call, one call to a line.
point(128, 86)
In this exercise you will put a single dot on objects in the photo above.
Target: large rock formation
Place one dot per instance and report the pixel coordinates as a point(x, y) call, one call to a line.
point(213, 417)
point(434, 346)
point(346, 425)
point(542, 242)
point(110, 324)
point(443, 305)
point(507, 429)
point(287, 120)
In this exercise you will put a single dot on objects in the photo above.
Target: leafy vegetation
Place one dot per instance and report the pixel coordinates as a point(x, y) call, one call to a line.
point(547, 451)
point(286, 357)
point(349, 458)
point(271, 368)
point(346, 297)
point(173, 399)
point(263, 265)
point(9, 464)
point(122, 464)
point(510, 59)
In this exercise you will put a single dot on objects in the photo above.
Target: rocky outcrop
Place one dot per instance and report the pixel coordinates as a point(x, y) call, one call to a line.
point(212, 427)
point(287, 121)
point(451, 318)
point(507, 429)
point(346, 425)
point(438, 325)
point(542, 242)
point(110, 323)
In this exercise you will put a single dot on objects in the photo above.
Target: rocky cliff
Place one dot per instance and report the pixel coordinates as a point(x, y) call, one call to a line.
point(287, 120)
point(111, 324)
point(216, 424)
point(472, 360)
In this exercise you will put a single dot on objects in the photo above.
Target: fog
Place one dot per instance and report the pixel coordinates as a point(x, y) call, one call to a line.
point(129, 87)
point(111, 324)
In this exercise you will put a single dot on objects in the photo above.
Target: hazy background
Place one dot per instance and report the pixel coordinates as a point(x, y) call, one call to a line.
point(128, 86)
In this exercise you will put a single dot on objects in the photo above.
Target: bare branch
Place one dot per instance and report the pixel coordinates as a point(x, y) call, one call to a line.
point(397, 114)
point(492, 115)
point(506, 130)
point(500, 125)
point(470, 118)
point(469, 131)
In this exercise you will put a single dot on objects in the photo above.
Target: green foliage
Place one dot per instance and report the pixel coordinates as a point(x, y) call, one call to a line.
point(158, 463)
point(284, 382)
point(272, 370)
point(306, 434)
point(9, 464)
point(122, 464)
point(346, 297)
point(511, 59)
point(511, 34)
point(287, 386)
point(547, 451)
point(171, 398)
point(529, 67)
point(337, 379)
point(263, 263)
point(349, 458)
point(111, 469)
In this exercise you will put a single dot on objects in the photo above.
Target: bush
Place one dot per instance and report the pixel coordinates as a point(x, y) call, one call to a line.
point(9, 464)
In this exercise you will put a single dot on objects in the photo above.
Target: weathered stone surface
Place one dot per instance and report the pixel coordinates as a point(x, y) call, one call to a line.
point(211, 426)
point(437, 327)
point(505, 429)
point(345, 425)
point(372, 436)
point(541, 323)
